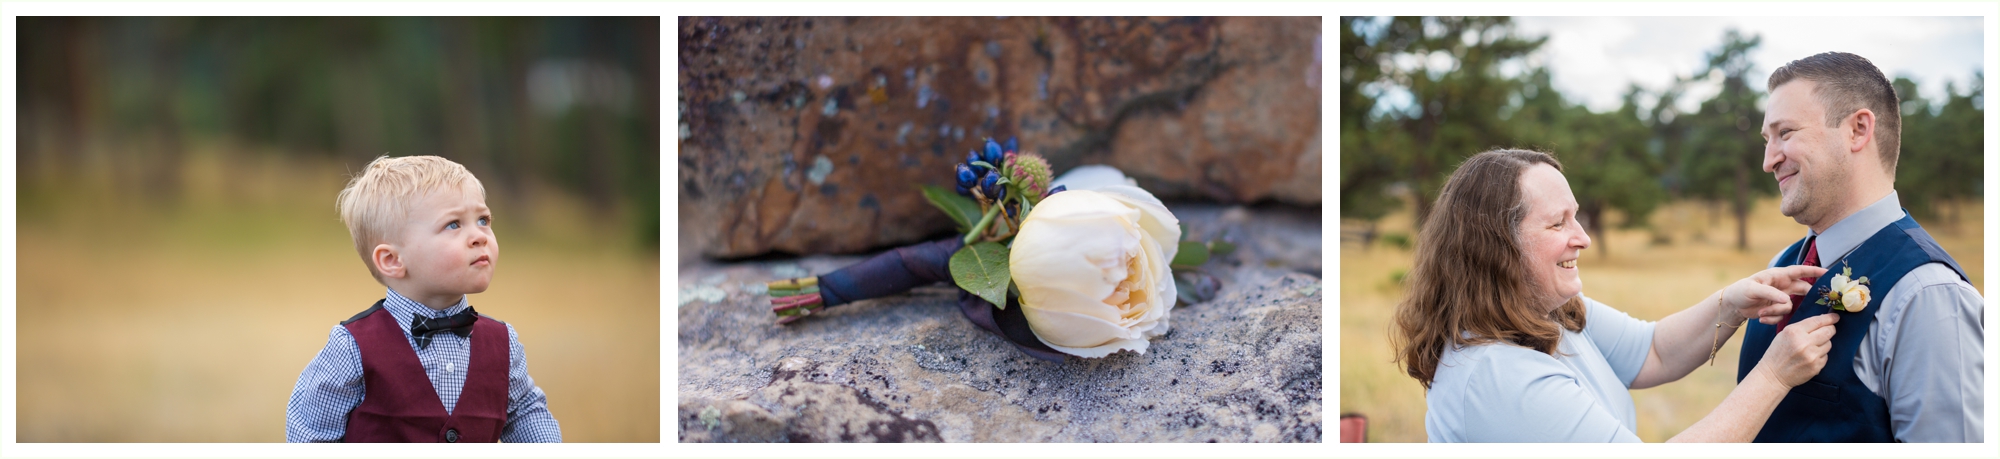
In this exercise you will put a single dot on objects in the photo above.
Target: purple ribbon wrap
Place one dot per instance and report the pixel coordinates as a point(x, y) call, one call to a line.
point(904, 268)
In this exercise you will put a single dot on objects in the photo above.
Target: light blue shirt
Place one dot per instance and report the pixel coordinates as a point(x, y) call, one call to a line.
point(1505, 393)
point(1925, 352)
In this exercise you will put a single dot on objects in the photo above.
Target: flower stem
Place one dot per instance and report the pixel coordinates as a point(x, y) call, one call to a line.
point(984, 221)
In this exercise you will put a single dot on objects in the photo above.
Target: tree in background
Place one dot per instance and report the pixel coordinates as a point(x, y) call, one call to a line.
point(1459, 102)
point(1604, 155)
point(570, 102)
point(1438, 85)
point(1418, 95)
point(1941, 160)
point(1722, 161)
point(1366, 173)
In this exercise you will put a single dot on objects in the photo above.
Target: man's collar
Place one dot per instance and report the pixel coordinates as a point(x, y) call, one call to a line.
point(404, 309)
point(1847, 234)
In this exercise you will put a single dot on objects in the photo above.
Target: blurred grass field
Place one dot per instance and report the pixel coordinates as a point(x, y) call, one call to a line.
point(1646, 279)
point(190, 320)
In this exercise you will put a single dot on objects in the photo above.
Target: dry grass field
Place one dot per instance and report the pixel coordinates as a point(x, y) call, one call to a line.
point(190, 322)
point(1644, 277)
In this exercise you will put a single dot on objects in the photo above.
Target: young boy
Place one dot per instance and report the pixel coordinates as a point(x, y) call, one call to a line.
point(420, 365)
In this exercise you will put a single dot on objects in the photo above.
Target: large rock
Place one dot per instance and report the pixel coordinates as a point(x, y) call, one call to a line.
point(1242, 367)
point(809, 135)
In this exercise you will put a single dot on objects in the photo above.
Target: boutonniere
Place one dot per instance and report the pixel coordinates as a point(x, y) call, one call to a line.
point(1846, 294)
point(1088, 272)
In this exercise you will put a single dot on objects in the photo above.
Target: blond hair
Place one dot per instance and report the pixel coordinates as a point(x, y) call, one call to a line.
point(378, 200)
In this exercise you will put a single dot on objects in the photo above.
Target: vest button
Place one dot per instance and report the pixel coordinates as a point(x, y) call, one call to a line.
point(451, 435)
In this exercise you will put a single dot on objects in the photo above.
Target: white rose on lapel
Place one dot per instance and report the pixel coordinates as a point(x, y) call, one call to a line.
point(1845, 293)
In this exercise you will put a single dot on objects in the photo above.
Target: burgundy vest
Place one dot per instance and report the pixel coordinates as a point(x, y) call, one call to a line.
point(401, 406)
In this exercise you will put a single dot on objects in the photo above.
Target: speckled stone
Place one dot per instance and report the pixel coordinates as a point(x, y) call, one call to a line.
point(807, 135)
point(1244, 367)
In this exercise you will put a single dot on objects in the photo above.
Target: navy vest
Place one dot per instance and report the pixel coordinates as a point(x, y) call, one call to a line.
point(1835, 406)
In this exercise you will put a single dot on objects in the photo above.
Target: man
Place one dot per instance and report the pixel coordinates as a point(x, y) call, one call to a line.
point(1906, 362)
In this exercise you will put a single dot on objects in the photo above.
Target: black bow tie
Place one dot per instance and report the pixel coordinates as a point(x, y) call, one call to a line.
point(459, 324)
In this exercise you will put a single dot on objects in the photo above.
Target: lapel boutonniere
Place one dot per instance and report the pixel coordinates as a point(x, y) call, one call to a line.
point(1092, 271)
point(1846, 294)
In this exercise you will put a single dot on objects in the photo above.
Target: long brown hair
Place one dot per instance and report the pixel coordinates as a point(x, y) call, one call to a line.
point(1470, 283)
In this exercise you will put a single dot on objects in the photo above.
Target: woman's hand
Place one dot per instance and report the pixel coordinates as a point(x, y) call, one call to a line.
point(1795, 356)
point(1767, 295)
point(1800, 351)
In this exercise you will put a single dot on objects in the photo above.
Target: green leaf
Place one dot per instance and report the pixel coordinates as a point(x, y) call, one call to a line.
point(1196, 287)
point(981, 268)
point(960, 208)
point(1219, 247)
point(1191, 254)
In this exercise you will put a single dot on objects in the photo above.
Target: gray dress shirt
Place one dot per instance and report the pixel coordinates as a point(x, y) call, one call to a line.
point(1925, 352)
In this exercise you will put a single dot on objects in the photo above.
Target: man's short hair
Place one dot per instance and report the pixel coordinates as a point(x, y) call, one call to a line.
point(1849, 83)
point(375, 203)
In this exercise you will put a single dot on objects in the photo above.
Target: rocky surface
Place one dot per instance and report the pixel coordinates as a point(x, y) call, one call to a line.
point(809, 135)
point(1242, 367)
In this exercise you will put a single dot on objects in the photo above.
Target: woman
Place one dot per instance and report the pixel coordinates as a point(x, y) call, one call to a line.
point(1497, 329)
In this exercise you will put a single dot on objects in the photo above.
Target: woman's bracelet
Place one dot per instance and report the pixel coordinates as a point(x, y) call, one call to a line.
point(1717, 348)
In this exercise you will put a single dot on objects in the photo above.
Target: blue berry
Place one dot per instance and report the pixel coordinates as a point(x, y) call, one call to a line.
point(1013, 145)
point(992, 153)
point(972, 157)
point(990, 186)
point(966, 177)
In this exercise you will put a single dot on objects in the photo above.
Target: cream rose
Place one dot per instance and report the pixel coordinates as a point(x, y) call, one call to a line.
point(1853, 295)
point(1092, 268)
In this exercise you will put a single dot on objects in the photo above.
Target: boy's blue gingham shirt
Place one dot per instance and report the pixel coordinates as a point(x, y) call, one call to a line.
point(331, 386)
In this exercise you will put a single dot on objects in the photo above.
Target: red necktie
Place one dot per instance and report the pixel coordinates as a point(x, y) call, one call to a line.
point(1812, 258)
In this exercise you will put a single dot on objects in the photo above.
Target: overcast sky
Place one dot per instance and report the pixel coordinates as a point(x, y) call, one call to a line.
point(1593, 59)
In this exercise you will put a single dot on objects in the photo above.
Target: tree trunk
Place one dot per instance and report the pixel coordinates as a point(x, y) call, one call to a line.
point(1424, 197)
point(465, 130)
point(1742, 209)
point(1592, 217)
point(162, 172)
point(1423, 209)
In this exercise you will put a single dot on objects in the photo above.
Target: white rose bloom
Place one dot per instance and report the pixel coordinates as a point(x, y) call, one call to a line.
point(1839, 283)
point(1091, 177)
point(1092, 268)
point(1855, 297)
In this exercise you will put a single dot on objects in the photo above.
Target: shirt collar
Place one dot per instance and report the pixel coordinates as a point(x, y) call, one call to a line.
point(1847, 234)
point(405, 309)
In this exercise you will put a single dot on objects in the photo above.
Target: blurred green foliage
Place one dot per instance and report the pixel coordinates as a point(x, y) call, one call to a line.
point(525, 103)
point(1399, 240)
point(1940, 162)
point(1420, 94)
